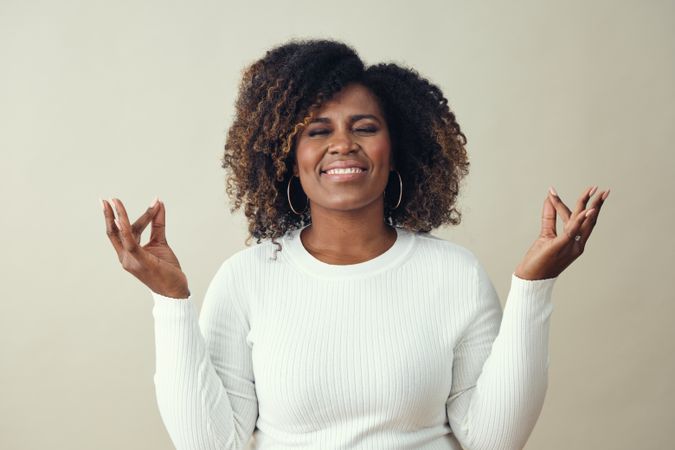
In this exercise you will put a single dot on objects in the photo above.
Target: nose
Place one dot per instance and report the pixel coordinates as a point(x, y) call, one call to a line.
point(342, 143)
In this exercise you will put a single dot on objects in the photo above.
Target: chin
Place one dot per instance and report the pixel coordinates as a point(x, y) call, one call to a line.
point(350, 203)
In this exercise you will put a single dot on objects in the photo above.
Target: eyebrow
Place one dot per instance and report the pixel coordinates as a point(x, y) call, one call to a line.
point(352, 118)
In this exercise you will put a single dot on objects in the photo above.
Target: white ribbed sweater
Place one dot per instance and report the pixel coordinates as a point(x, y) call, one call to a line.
point(403, 351)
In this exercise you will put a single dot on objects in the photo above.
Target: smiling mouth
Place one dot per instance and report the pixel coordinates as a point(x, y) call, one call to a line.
point(344, 176)
point(359, 170)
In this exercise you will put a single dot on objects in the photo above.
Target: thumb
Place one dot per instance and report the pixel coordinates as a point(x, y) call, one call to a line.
point(548, 219)
point(157, 232)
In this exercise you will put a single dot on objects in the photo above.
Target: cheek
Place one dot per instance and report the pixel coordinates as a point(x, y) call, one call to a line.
point(380, 151)
point(305, 158)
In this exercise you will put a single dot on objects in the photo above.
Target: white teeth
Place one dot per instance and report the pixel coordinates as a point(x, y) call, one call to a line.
point(348, 170)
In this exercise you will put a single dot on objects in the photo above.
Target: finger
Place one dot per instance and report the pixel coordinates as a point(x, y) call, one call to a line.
point(560, 207)
point(548, 219)
point(574, 227)
point(597, 204)
point(126, 234)
point(158, 221)
point(110, 228)
point(583, 200)
point(142, 222)
point(589, 222)
point(586, 227)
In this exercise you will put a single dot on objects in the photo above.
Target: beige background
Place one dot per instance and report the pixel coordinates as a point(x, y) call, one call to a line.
point(132, 99)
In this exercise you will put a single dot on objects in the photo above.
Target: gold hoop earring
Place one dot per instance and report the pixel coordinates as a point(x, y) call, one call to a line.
point(288, 195)
point(400, 189)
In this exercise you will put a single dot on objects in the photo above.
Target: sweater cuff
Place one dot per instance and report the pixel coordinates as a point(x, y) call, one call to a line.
point(159, 297)
point(169, 307)
point(531, 298)
point(532, 287)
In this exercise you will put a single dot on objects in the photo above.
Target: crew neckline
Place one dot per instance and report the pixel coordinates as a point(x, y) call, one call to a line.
point(392, 257)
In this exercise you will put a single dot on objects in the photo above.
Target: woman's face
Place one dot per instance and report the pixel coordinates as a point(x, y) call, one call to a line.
point(349, 129)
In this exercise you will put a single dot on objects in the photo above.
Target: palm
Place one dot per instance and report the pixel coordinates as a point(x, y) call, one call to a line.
point(156, 249)
point(153, 263)
point(551, 253)
point(162, 252)
point(543, 250)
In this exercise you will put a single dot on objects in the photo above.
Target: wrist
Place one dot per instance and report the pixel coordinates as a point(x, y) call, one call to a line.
point(178, 295)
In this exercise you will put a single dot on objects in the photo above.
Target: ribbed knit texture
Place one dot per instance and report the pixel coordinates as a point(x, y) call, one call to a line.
point(404, 351)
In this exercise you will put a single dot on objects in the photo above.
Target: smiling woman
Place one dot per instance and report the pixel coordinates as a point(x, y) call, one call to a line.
point(343, 159)
point(365, 331)
point(339, 128)
point(308, 104)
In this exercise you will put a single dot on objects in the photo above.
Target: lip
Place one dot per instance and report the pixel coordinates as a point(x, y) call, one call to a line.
point(345, 163)
point(344, 176)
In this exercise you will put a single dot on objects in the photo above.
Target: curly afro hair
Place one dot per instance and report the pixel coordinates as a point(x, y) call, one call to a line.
point(278, 96)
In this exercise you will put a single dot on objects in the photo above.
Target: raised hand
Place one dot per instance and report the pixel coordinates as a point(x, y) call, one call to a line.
point(154, 263)
point(551, 253)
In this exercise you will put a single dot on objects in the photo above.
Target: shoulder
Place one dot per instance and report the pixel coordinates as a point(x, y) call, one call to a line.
point(243, 260)
point(469, 273)
point(442, 250)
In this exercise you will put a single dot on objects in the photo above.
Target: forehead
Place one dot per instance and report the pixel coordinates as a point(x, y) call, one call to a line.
point(353, 98)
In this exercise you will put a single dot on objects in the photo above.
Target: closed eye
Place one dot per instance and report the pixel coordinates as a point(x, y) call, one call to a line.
point(315, 132)
point(361, 130)
point(367, 130)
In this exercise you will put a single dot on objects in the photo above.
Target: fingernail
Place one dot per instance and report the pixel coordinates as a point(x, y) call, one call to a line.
point(589, 212)
point(604, 197)
point(113, 204)
point(595, 188)
point(154, 202)
point(552, 191)
point(102, 204)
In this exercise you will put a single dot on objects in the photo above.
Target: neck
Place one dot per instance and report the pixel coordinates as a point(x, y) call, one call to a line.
point(348, 237)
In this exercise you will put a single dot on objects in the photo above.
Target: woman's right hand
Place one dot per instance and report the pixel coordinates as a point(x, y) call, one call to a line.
point(154, 263)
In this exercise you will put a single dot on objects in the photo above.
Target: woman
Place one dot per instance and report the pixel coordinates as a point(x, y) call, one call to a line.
point(348, 325)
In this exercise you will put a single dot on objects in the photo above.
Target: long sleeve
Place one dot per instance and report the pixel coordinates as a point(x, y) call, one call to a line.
point(500, 366)
point(203, 376)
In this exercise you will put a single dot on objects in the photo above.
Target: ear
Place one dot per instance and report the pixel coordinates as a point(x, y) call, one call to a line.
point(295, 169)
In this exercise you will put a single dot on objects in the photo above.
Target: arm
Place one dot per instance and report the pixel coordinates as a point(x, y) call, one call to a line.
point(500, 373)
point(203, 377)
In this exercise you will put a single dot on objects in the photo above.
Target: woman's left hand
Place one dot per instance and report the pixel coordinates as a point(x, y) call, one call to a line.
point(551, 254)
